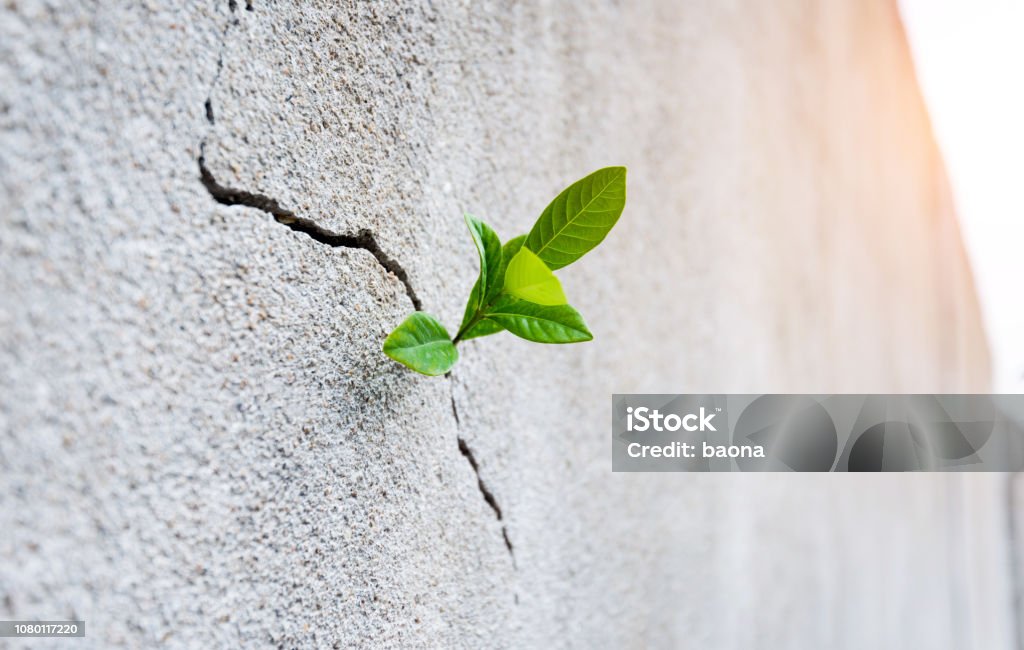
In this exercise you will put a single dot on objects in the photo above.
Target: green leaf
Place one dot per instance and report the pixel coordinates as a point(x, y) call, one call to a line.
point(483, 328)
point(540, 323)
point(508, 251)
point(579, 218)
point(489, 247)
point(471, 305)
point(423, 344)
point(528, 278)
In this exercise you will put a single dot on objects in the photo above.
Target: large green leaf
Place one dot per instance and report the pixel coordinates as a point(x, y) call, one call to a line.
point(423, 344)
point(528, 278)
point(488, 247)
point(579, 218)
point(540, 323)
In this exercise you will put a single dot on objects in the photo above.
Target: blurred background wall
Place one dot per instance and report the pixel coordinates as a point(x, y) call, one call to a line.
point(203, 446)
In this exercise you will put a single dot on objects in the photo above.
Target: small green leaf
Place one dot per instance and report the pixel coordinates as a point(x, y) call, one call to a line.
point(508, 251)
point(472, 305)
point(528, 278)
point(579, 218)
point(483, 328)
point(489, 247)
point(422, 344)
point(540, 323)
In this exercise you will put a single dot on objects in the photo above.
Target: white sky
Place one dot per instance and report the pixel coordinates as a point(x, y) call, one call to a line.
point(970, 63)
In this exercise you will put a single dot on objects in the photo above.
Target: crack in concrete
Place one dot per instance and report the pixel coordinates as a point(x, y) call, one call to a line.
point(487, 494)
point(364, 239)
point(455, 409)
point(484, 490)
point(208, 105)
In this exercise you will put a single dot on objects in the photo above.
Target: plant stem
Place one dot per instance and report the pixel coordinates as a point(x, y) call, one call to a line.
point(478, 316)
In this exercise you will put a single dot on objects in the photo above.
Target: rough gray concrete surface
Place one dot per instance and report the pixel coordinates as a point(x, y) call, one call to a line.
point(202, 446)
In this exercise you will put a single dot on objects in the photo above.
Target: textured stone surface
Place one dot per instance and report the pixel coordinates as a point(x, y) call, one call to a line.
point(202, 445)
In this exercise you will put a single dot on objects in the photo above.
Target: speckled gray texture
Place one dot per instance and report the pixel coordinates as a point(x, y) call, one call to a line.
point(201, 445)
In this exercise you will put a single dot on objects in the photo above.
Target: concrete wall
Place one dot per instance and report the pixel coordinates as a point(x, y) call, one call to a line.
point(202, 445)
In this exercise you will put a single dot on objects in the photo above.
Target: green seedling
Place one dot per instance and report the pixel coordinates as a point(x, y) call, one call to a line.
point(516, 289)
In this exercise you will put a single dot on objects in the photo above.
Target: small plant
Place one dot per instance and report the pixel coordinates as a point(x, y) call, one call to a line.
point(516, 289)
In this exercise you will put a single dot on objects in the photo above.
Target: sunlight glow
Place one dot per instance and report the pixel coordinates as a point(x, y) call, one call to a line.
point(969, 56)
